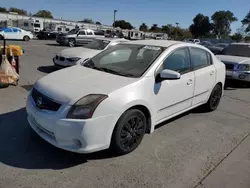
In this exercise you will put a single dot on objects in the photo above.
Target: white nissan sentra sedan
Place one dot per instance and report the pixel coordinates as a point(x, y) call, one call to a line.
point(122, 93)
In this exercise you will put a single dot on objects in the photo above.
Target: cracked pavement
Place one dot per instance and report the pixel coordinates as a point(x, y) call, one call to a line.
point(194, 150)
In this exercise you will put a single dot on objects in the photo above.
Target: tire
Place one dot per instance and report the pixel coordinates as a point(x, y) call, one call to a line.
point(72, 42)
point(129, 132)
point(214, 99)
point(26, 38)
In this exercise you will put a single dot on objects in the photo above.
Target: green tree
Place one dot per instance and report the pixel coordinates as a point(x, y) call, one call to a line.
point(222, 21)
point(154, 28)
point(19, 11)
point(123, 24)
point(143, 27)
point(247, 38)
point(87, 20)
point(246, 22)
point(237, 37)
point(2, 9)
point(201, 26)
point(98, 23)
point(44, 14)
point(166, 28)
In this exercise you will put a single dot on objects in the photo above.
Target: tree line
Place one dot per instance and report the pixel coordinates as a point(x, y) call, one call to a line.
point(41, 13)
point(216, 26)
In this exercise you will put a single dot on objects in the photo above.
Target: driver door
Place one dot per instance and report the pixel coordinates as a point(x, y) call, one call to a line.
point(174, 96)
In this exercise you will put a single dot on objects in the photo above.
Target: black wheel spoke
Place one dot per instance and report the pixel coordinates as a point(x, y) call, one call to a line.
point(124, 133)
point(139, 132)
point(126, 142)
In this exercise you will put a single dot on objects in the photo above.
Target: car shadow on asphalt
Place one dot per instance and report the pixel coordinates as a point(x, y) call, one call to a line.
point(54, 44)
point(234, 85)
point(21, 147)
point(47, 69)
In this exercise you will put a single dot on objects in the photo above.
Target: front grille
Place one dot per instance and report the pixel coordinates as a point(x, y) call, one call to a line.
point(44, 102)
point(229, 66)
point(61, 58)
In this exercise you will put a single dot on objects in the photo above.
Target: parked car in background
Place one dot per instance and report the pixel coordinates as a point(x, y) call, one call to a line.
point(217, 48)
point(237, 60)
point(46, 35)
point(78, 37)
point(206, 43)
point(14, 33)
point(194, 41)
point(77, 55)
point(122, 93)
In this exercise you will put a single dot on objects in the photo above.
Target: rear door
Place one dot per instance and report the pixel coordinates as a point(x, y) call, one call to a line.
point(205, 74)
point(80, 37)
point(89, 36)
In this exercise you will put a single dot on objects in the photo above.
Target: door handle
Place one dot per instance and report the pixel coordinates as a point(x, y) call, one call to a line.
point(190, 81)
point(212, 73)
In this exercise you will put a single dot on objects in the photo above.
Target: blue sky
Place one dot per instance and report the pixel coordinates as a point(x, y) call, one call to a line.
point(160, 12)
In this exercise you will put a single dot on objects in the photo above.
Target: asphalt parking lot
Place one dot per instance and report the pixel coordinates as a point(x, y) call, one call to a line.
point(196, 149)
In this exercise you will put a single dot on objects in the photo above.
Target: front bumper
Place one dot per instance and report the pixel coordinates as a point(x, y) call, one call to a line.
point(238, 75)
point(80, 136)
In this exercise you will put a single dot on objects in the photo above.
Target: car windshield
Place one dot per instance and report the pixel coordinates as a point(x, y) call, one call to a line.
point(128, 60)
point(97, 44)
point(236, 50)
point(73, 31)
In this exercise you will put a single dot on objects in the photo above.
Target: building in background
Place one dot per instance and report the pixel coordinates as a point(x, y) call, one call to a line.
point(36, 24)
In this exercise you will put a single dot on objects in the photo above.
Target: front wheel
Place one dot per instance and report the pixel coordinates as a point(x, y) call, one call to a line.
point(72, 42)
point(26, 38)
point(129, 132)
point(214, 99)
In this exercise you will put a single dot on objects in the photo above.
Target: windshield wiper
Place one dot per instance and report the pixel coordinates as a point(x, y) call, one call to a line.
point(118, 72)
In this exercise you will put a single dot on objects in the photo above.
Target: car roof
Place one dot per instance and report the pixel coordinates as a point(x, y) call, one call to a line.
point(111, 39)
point(161, 43)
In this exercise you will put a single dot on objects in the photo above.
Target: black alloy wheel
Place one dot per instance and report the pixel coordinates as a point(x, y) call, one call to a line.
point(128, 132)
point(214, 99)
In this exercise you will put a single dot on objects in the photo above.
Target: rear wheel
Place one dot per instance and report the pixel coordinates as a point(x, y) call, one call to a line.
point(214, 99)
point(26, 38)
point(72, 42)
point(129, 132)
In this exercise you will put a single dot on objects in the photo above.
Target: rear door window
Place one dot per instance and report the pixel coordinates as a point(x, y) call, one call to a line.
point(89, 33)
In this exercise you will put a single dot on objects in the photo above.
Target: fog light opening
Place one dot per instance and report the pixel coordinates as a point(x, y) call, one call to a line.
point(242, 76)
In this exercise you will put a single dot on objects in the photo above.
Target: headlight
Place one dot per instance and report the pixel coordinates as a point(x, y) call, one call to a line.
point(243, 67)
point(73, 59)
point(85, 107)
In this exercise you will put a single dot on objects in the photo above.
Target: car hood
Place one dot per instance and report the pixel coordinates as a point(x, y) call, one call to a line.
point(78, 52)
point(71, 84)
point(234, 59)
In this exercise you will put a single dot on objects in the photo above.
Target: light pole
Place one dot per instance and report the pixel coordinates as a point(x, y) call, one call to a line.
point(115, 11)
point(177, 24)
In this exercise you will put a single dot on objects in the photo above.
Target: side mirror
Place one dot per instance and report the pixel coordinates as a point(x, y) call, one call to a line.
point(167, 74)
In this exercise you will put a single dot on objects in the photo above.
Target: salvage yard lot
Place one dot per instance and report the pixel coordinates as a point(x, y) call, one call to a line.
point(194, 150)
